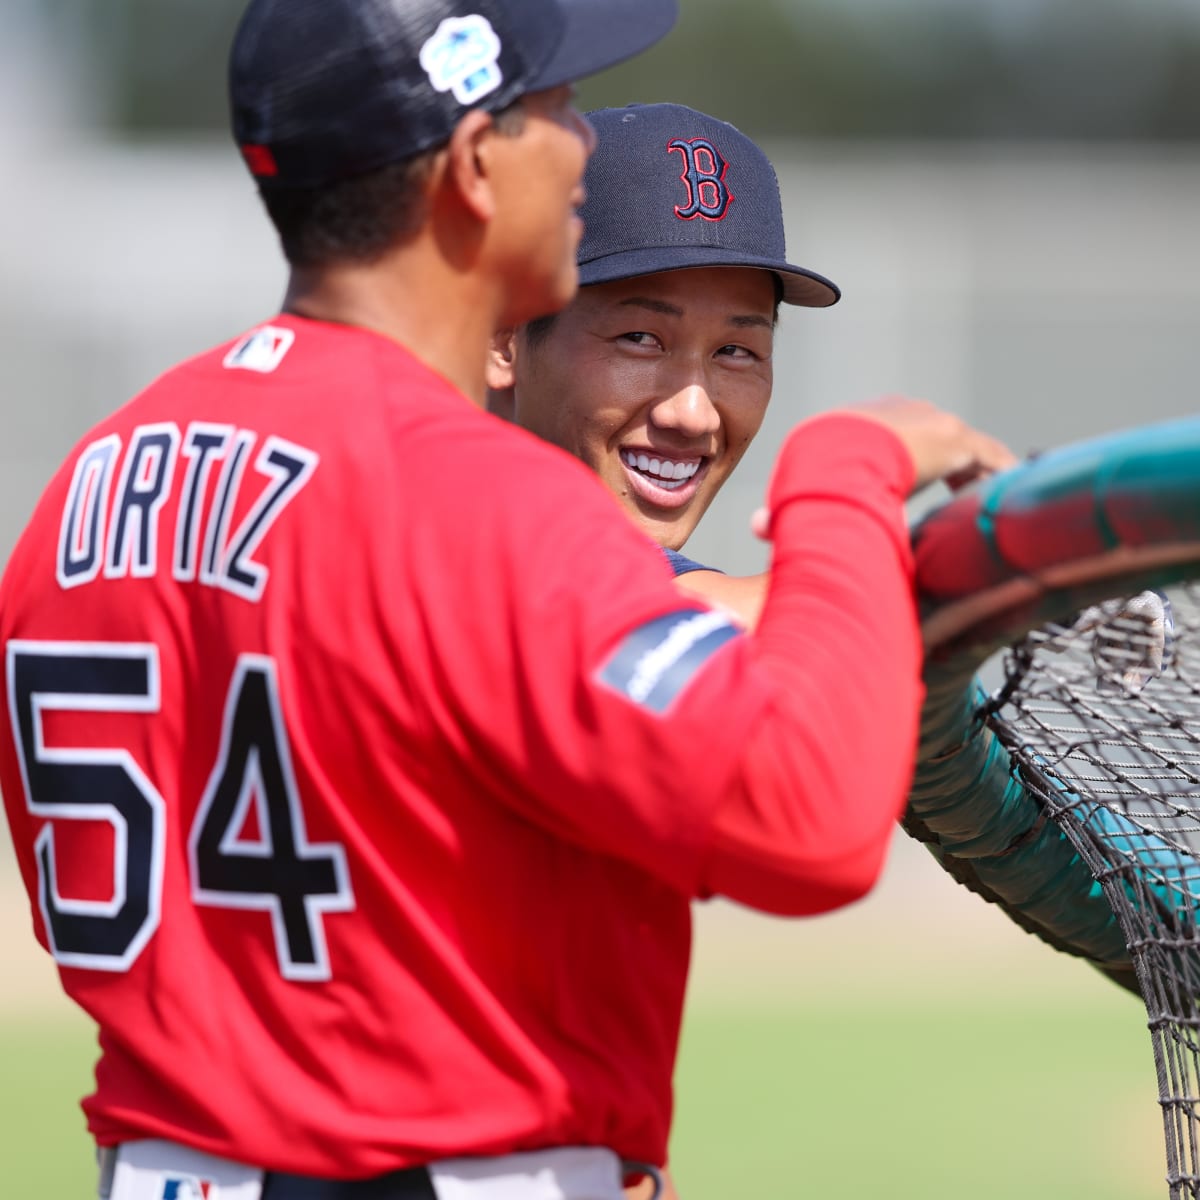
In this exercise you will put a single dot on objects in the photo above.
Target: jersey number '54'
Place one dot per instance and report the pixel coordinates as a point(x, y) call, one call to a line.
point(280, 871)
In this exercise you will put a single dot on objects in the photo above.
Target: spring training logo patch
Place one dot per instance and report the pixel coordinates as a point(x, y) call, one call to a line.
point(704, 168)
point(655, 662)
point(461, 57)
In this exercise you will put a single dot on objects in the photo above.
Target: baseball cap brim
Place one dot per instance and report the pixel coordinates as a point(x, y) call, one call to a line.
point(601, 33)
point(800, 286)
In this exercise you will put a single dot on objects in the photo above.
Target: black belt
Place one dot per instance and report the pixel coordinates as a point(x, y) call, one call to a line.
point(413, 1183)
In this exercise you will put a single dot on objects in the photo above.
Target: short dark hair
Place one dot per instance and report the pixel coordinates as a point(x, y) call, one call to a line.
point(537, 330)
point(357, 220)
point(354, 220)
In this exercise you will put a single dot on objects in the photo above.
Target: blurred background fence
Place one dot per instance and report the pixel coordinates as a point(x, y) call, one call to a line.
point(1045, 291)
point(1005, 190)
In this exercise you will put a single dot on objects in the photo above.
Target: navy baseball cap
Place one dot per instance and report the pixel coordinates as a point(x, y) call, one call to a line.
point(669, 187)
point(323, 90)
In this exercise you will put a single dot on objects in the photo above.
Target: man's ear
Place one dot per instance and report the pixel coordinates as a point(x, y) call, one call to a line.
point(501, 374)
point(502, 359)
point(468, 162)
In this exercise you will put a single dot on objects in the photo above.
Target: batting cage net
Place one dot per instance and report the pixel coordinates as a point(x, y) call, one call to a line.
point(1101, 720)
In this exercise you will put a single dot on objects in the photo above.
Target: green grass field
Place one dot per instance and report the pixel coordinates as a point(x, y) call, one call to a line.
point(938, 1103)
point(47, 1069)
point(945, 1099)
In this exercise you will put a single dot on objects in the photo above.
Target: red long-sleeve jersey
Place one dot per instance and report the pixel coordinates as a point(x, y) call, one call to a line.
point(361, 759)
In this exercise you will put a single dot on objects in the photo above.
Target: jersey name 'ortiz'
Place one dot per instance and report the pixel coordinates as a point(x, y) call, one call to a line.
point(362, 760)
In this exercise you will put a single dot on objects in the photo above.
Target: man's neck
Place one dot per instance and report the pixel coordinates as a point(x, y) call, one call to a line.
point(445, 318)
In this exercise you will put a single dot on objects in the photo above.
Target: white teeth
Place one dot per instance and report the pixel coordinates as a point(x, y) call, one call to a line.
point(666, 473)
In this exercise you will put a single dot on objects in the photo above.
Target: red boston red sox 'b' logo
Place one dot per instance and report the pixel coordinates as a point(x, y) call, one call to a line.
point(704, 174)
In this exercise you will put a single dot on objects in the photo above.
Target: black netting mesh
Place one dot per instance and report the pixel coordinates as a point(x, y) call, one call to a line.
point(1102, 721)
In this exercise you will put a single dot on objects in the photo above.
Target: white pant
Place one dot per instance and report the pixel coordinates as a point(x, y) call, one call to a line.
point(157, 1170)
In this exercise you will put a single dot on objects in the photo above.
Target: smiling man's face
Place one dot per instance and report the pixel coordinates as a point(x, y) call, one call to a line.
point(657, 383)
